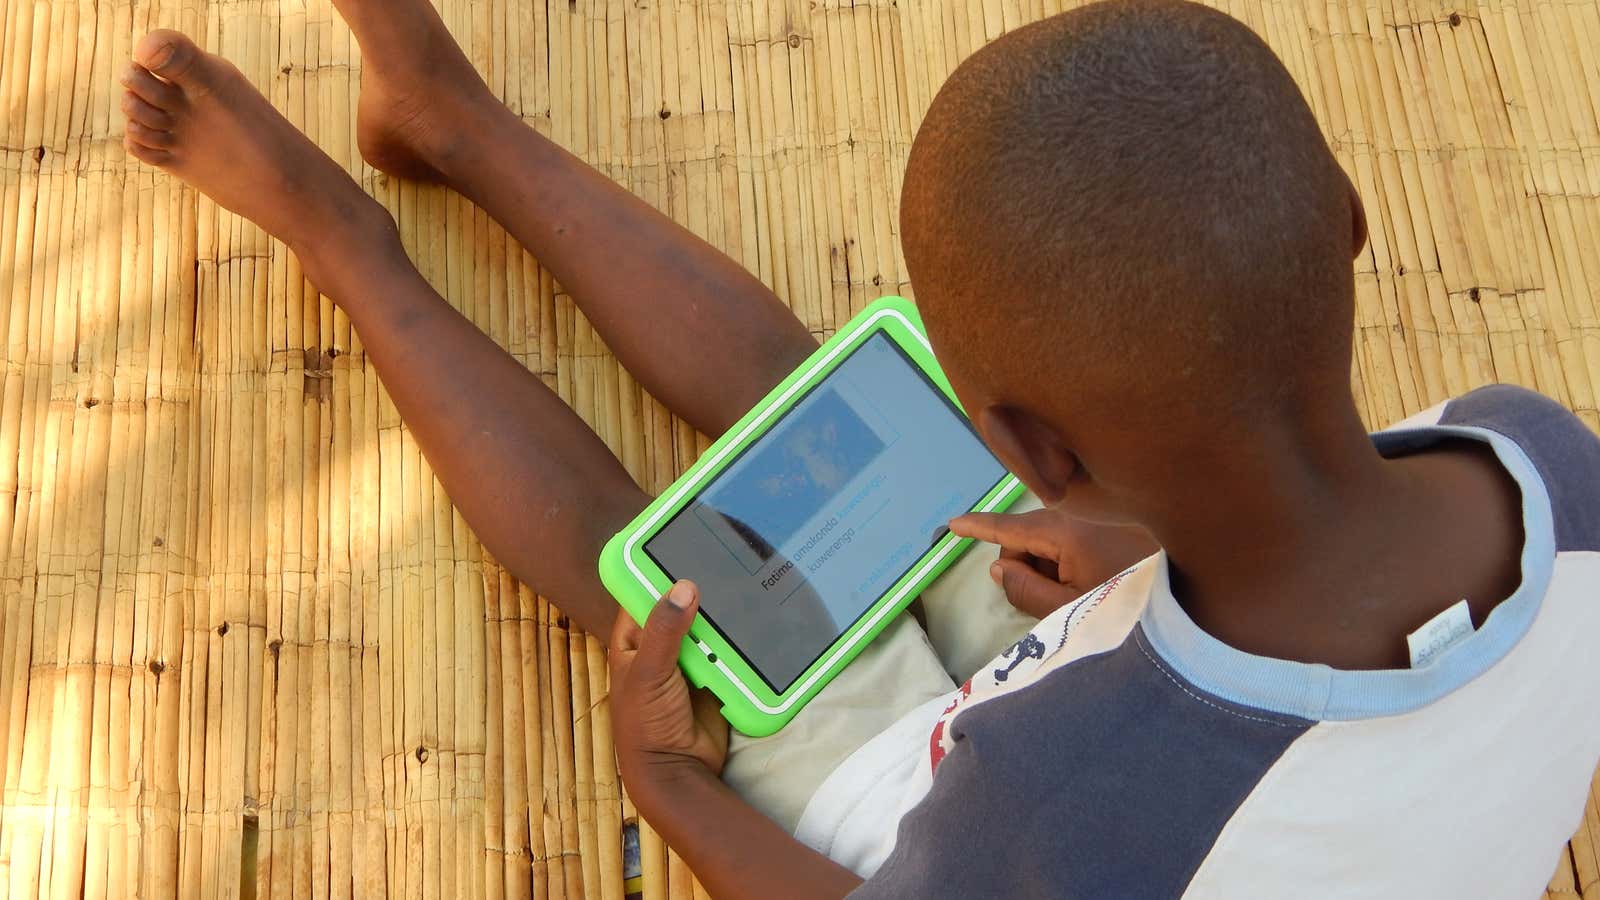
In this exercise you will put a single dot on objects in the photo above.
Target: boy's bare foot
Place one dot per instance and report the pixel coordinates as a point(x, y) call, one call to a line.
point(421, 99)
point(203, 122)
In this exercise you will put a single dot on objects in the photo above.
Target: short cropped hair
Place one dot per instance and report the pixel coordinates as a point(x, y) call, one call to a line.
point(1136, 186)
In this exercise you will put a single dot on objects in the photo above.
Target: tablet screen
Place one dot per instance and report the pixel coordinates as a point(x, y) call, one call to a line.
point(814, 521)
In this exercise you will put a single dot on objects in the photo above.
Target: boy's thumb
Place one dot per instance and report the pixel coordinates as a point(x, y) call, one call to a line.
point(666, 627)
point(1029, 591)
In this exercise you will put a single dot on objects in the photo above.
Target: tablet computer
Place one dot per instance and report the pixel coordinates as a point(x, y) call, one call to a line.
point(819, 516)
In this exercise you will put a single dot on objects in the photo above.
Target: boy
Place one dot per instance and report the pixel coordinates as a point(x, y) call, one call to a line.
point(1359, 663)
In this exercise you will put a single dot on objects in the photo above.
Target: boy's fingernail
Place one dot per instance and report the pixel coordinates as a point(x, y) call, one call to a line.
point(997, 573)
point(681, 595)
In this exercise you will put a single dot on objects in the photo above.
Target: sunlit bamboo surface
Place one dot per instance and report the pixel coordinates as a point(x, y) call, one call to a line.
point(247, 646)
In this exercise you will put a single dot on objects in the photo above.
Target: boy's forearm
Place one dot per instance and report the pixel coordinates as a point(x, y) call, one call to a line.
point(734, 850)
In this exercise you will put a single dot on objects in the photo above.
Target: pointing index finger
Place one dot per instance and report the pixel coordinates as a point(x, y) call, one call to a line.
point(1014, 531)
point(982, 526)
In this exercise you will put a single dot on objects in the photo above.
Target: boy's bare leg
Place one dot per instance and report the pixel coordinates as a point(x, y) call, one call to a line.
point(541, 490)
point(699, 332)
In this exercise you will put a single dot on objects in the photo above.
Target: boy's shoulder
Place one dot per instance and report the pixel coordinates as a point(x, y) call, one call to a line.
point(1526, 416)
point(1119, 750)
point(1562, 450)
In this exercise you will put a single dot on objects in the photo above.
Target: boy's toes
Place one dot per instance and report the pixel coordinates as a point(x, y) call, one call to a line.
point(174, 57)
point(149, 137)
point(152, 90)
point(154, 156)
point(143, 113)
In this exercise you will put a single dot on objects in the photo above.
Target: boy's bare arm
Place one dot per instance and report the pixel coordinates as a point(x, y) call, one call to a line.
point(734, 850)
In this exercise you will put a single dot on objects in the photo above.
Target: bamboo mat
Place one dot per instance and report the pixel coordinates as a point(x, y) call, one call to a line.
point(246, 645)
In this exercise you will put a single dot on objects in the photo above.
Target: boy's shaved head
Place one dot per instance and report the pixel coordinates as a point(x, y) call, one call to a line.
point(1131, 201)
point(1124, 222)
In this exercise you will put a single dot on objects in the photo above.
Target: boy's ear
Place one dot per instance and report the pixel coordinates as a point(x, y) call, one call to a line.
point(1030, 448)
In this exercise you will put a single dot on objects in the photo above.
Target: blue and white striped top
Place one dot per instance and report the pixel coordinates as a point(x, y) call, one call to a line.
point(1137, 756)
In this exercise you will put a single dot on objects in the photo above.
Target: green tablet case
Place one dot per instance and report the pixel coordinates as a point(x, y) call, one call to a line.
point(708, 659)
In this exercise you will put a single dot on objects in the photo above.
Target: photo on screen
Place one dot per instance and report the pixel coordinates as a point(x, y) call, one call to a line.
point(786, 481)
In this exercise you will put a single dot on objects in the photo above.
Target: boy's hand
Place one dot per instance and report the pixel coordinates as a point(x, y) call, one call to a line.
point(1049, 559)
point(659, 726)
point(671, 746)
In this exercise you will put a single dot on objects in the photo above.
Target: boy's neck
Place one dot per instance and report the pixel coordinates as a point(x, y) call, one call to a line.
point(1313, 547)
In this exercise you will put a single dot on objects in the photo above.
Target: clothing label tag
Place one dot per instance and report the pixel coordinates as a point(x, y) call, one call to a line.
point(1440, 634)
